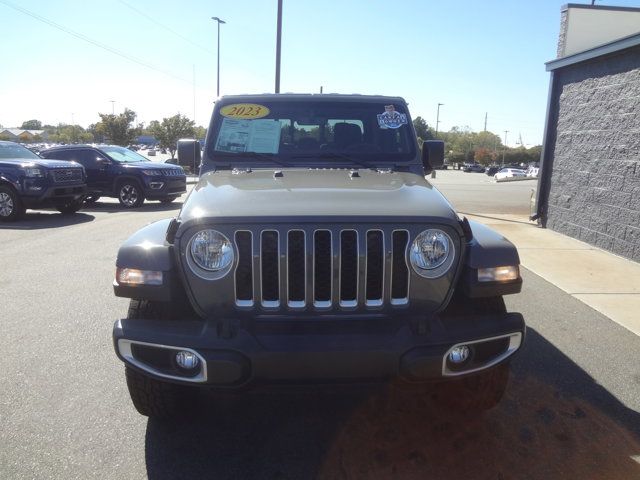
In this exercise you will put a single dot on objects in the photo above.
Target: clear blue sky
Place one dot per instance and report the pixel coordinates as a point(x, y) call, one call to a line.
point(472, 56)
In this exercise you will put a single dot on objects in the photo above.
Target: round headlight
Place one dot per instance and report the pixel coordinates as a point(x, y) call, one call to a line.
point(431, 253)
point(211, 250)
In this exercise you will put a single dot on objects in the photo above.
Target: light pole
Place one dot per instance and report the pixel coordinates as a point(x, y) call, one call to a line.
point(505, 146)
point(278, 45)
point(438, 118)
point(219, 22)
point(113, 107)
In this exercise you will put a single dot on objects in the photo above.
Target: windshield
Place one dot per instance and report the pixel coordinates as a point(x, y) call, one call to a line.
point(298, 132)
point(123, 155)
point(13, 150)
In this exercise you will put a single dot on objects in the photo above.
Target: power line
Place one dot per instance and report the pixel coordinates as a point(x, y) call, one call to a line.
point(91, 41)
point(169, 29)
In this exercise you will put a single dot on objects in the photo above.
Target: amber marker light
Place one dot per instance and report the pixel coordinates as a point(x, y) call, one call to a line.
point(506, 273)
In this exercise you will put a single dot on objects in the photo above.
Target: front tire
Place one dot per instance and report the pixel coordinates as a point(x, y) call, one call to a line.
point(156, 398)
point(130, 194)
point(70, 207)
point(11, 207)
point(475, 394)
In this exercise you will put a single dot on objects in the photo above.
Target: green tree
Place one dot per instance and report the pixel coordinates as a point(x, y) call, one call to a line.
point(118, 129)
point(31, 125)
point(423, 132)
point(200, 132)
point(171, 130)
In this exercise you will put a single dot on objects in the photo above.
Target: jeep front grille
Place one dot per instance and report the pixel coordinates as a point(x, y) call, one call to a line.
point(62, 175)
point(321, 269)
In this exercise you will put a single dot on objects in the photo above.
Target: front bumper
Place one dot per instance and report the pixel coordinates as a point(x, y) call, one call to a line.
point(158, 187)
point(39, 195)
point(233, 358)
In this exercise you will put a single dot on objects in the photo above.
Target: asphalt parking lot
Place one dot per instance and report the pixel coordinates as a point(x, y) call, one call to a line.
point(571, 410)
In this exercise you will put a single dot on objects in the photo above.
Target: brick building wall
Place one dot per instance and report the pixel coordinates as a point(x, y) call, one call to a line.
point(594, 192)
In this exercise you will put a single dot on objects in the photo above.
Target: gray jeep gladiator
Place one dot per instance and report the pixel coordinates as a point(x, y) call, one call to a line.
point(314, 251)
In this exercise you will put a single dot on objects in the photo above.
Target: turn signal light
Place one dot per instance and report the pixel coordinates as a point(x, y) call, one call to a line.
point(499, 274)
point(132, 276)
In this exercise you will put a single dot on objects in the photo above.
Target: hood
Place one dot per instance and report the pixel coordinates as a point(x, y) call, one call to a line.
point(28, 162)
point(151, 166)
point(315, 192)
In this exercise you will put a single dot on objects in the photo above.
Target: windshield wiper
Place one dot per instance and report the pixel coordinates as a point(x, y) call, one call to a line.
point(267, 156)
point(336, 155)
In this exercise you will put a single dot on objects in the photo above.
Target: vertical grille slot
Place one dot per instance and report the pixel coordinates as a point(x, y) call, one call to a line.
point(348, 268)
point(244, 271)
point(322, 268)
point(296, 268)
point(399, 270)
point(375, 267)
point(269, 268)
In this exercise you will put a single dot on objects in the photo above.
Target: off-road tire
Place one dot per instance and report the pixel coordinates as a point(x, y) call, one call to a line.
point(10, 204)
point(158, 399)
point(130, 194)
point(70, 207)
point(151, 397)
point(475, 394)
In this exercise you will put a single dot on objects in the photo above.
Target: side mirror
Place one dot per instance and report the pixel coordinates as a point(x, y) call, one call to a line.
point(432, 155)
point(103, 162)
point(189, 153)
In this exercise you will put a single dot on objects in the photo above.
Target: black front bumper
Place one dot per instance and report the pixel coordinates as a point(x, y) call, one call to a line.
point(169, 187)
point(231, 357)
point(51, 195)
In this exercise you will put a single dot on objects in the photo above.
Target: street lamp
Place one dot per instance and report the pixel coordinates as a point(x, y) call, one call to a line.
point(438, 118)
point(219, 22)
point(505, 146)
point(278, 45)
point(113, 107)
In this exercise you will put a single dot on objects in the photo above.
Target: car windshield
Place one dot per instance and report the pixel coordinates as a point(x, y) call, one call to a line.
point(123, 155)
point(296, 132)
point(13, 150)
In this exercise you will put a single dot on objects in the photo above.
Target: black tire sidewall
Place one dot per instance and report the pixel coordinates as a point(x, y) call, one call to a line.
point(134, 184)
point(18, 209)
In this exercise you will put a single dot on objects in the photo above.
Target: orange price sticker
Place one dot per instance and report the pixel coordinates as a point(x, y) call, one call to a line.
point(248, 111)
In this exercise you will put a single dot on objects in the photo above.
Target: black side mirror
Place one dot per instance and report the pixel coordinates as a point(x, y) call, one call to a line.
point(103, 162)
point(432, 155)
point(189, 154)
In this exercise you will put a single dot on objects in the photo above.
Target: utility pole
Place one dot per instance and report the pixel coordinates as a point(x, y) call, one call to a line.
point(218, 75)
point(278, 45)
point(438, 118)
point(485, 121)
point(113, 107)
point(505, 145)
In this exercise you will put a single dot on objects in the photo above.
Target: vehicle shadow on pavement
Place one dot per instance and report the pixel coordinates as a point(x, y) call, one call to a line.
point(40, 220)
point(554, 422)
point(112, 207)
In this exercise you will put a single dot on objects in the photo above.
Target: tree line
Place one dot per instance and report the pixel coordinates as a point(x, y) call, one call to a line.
point(120, 129)
point(464, 145)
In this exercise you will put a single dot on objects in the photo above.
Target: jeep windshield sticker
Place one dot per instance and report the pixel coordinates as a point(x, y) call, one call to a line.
point(244, 110)
point(260, 136)
point(390, 118)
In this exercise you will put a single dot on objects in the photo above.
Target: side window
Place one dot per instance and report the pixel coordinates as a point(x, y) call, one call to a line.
point(88, 158)
point(61, 155)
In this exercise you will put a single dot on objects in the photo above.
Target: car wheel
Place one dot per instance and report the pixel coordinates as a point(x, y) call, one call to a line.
point(70, 207)
point(130, 194)
point(152, 397)
point(475, 394)
point(11, 207)
point(167, 199)
point(89, 199)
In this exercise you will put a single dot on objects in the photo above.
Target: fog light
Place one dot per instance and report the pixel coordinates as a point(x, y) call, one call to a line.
point(459, 354)
point(187, 360)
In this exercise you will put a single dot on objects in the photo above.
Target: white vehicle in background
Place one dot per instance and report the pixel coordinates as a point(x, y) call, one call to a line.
point(509, 173)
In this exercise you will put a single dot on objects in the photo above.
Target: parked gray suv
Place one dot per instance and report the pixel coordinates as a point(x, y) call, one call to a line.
point(313, 250)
